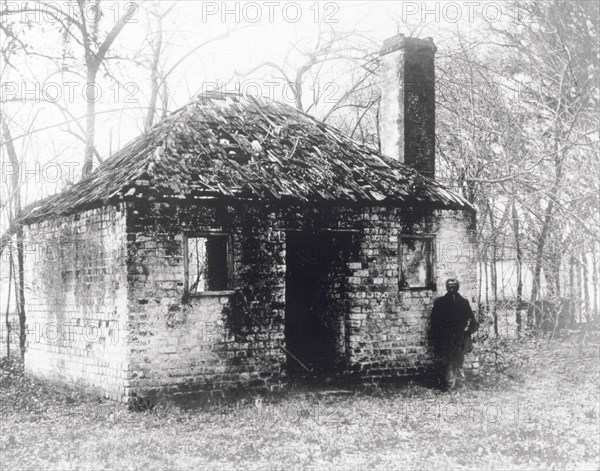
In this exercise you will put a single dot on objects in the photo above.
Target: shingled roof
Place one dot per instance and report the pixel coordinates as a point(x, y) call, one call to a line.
point(234, 147)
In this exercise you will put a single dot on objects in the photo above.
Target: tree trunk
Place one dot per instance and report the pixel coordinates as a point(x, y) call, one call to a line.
point(552, 270)
point(8, 329)
point(578, 289)
point(16, 205)
point(487, 285)
point(480, 284)
point(537, 271)
point(154, 76)
point(21, 291)
point(493, 273)
point(544, 233)
point(90, 117)
point(571, 290)
point(595, 279)
point(519, 254)
point(165, 99)
point(585, 280)
point(558, 263)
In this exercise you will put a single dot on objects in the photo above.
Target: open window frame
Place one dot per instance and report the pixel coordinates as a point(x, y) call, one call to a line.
point(228, 285)
point(427, 241)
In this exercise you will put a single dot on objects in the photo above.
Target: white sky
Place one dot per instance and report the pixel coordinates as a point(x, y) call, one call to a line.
point(190, 23)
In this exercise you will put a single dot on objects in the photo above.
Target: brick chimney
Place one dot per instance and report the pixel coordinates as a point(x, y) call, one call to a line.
point(408, 102)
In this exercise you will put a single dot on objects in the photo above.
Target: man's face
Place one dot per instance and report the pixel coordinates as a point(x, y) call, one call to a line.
point(452, 287)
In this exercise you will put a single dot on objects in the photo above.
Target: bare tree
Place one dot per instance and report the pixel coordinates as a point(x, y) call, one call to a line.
point(160, 64)
point(82, 27)
point(15, 214)
point(304, 62)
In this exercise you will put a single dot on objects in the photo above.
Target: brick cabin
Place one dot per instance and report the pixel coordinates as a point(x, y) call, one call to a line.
point(241, 242)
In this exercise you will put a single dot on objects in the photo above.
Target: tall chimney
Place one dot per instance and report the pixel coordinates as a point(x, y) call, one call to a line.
point(408, 102)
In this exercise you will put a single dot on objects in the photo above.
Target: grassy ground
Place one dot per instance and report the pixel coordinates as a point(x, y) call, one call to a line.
point(536, 407)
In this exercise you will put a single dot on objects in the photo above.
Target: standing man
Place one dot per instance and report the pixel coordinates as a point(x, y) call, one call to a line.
point(452, 323)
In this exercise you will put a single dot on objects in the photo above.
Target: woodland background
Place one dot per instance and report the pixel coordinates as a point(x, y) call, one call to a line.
point(517, 116)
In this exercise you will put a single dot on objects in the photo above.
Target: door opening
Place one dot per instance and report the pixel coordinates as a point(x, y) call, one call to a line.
point(317, 301)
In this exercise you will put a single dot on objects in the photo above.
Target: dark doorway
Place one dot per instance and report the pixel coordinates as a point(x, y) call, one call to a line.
point(317, 301)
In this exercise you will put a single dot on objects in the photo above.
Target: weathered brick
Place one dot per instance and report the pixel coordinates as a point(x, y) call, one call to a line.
point(203, 342)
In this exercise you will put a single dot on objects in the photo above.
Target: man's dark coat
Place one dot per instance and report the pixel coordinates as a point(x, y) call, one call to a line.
point(449, 318)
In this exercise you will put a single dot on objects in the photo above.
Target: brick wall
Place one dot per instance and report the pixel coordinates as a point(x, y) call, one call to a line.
point(224, 341)
point(389, 326)
point(210, 342)
point(123, 276)
point(75, 282)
